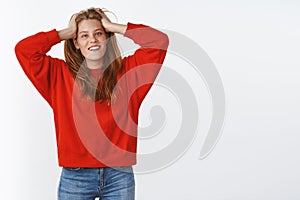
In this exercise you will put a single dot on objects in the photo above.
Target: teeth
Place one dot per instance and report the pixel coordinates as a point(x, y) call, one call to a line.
point(94, 48)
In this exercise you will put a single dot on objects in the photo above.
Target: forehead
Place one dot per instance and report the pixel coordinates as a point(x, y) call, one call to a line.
point(89, 25)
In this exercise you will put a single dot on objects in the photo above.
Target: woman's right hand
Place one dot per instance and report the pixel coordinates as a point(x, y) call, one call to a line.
point(70, 32)
point(72, 25)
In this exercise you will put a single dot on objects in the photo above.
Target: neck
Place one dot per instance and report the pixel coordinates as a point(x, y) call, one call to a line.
point(91, 64)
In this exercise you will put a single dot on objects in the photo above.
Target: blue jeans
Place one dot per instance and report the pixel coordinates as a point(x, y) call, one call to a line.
point(88, 183)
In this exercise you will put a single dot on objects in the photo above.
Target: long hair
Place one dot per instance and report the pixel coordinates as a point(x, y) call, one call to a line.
point(92, 89)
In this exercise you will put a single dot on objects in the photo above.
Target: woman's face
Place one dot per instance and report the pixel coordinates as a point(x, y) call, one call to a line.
point(91, 40)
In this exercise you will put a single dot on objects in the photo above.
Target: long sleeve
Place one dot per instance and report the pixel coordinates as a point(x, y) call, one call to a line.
point(38, 67)
point(147, 60)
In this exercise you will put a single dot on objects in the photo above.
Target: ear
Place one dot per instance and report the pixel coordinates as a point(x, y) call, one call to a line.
point(76, 44)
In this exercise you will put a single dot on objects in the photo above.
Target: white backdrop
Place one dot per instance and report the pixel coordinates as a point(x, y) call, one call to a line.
point(255, 46)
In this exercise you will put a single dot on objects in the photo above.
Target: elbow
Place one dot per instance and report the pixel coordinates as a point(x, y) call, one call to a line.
point(164, 41)
point(19, 49)
point(22, 51)
point(21, 55)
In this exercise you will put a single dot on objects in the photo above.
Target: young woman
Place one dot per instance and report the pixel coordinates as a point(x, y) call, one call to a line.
point(95, 95)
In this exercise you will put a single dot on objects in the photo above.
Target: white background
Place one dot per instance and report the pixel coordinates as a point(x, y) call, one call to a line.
point(255, 46)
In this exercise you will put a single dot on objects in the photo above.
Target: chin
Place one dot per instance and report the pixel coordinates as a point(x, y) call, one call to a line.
point(94, 57)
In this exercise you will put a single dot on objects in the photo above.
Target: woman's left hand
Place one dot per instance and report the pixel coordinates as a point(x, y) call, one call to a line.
point(110, 26)
point(105, 20)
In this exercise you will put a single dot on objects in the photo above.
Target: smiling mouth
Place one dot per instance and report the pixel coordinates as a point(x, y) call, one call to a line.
point(94, 48)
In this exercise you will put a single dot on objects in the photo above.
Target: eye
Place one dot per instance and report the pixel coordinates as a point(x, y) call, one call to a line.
point(84, 36)
point(99, 33)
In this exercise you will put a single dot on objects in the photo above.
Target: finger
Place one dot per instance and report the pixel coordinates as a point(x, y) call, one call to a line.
point(99, 10)
point(104, 10)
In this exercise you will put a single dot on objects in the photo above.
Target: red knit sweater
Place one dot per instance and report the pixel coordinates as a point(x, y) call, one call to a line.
point(94, 134)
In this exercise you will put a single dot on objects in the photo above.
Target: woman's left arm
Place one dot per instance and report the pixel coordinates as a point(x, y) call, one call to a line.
point(147, 60)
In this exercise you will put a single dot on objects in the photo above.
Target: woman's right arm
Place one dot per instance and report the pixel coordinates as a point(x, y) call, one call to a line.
point(40, 68)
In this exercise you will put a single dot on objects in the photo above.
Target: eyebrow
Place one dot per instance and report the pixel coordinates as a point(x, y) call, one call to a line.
point(97, 29)
point(83, 32)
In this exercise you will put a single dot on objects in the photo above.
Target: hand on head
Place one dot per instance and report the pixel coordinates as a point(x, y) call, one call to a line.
point(105, 20)
point(108, 26)
point(72, 25)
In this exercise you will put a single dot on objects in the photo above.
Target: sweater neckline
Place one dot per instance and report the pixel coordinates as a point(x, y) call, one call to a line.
point(97, 71)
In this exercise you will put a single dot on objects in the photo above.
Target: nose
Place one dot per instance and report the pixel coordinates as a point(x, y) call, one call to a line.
point(93, 39)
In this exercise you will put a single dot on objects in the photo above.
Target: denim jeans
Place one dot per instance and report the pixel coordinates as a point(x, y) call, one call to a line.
point(88, 183)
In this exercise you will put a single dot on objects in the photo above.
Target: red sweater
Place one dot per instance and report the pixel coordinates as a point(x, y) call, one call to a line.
point(94, 134)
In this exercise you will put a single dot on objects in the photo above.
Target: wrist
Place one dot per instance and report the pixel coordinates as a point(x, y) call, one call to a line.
point(116, 28)
point(66, 34)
